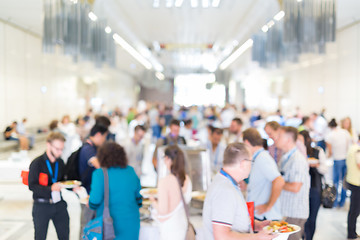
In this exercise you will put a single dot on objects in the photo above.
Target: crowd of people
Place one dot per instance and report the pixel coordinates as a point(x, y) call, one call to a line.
point(276, 162)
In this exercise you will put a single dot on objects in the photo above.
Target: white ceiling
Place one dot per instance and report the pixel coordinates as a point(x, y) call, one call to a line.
point(188, 28)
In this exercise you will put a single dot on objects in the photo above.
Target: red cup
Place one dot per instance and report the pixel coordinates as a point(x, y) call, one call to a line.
point(251, 208)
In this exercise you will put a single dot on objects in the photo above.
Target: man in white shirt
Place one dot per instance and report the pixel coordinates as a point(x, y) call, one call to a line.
point(338, 142)
point(225, 213)
point(320, 127)
point(135, 149)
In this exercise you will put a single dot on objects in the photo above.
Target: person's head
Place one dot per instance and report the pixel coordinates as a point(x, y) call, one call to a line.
point(188, 124)
point(287, 138)
point(235, 126)
point(174, 128)
point(111, 154)
point(175, 162)
point(102, 120)
point(332, 124)
point(65, 119)
point(216, 135)
point(14, 124)
point(307, 140)
point(98, 134)
point(272, 130)
point(54, 145)
point(305, 121)
point(346, 124)
point(139, 133)
point(24, 120)
point(237, 158)
point(53, 125)
point(252, 138)
point(314, 116)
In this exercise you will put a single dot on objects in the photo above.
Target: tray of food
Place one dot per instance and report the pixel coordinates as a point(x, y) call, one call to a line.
point(70, 184)
point(147, 192)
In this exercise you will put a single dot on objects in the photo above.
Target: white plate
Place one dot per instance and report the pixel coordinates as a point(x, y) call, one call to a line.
point(284, 236)
point(75, 183)
point(313, 161)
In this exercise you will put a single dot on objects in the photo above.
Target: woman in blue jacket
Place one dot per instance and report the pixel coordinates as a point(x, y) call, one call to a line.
point(124, 187)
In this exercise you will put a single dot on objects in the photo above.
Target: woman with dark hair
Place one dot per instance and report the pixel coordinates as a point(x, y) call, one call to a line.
point(317, 163)
point(169, 205)
point(124, 187)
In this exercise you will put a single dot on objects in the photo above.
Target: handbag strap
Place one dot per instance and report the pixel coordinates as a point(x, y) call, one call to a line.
point(106, 212)
point(184, 203)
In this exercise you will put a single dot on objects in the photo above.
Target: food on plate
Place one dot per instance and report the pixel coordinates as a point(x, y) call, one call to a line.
point(200, 197)
point(70, 183)
point(147, 192)
point(280, 227)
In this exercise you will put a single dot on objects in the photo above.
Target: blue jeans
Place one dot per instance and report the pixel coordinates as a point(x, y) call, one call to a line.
point(315, 201)
point(339, 172)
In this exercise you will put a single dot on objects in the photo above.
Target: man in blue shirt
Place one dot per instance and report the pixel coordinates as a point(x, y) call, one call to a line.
point(265, 181)
point(87, 158)
point(88, 163)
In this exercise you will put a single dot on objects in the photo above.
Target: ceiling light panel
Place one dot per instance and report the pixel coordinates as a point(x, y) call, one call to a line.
point(194, 3)
point(215, 3)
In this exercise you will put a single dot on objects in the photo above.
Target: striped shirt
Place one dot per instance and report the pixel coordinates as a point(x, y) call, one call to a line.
point(294, 168)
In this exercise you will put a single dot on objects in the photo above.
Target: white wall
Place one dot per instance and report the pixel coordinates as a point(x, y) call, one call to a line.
point(24, 69)
point(337, 72)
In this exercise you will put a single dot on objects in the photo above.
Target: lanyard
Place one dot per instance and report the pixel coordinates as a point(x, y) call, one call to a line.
point(287, 159)
point(216, 153)
point(275, 154)
point(53, 177)
point(232, 180)
point(257, 154)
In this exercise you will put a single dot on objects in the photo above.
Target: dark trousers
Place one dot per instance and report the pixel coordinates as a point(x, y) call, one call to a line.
point(354, 210)
point(43, 212)
point(315, 201)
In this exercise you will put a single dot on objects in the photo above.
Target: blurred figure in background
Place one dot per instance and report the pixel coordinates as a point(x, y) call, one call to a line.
point(135, 149)
point(235, 130)
point(319, 128)
point(353, 182)
point(317, 163)
point(346, 124)
point(216, 149)
point(186, 131)
point(338, 142)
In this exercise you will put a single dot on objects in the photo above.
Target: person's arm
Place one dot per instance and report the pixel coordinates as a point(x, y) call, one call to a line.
point(162, 202)
point(138, 196)
point(97, 189)
point(222, 232)
point(293, 186)
point(322, 168)
point(329, 148)
point(277, 186)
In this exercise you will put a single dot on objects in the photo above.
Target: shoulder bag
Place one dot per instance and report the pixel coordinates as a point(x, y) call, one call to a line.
point(190, 232)
point(101, 228)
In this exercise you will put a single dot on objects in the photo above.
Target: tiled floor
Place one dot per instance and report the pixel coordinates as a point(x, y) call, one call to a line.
point(16, 205)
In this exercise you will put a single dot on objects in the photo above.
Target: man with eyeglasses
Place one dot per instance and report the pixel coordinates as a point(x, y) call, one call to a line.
point(44, 175)
point(225, 213)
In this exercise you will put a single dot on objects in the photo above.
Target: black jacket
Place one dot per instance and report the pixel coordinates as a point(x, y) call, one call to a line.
point(38, 166)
